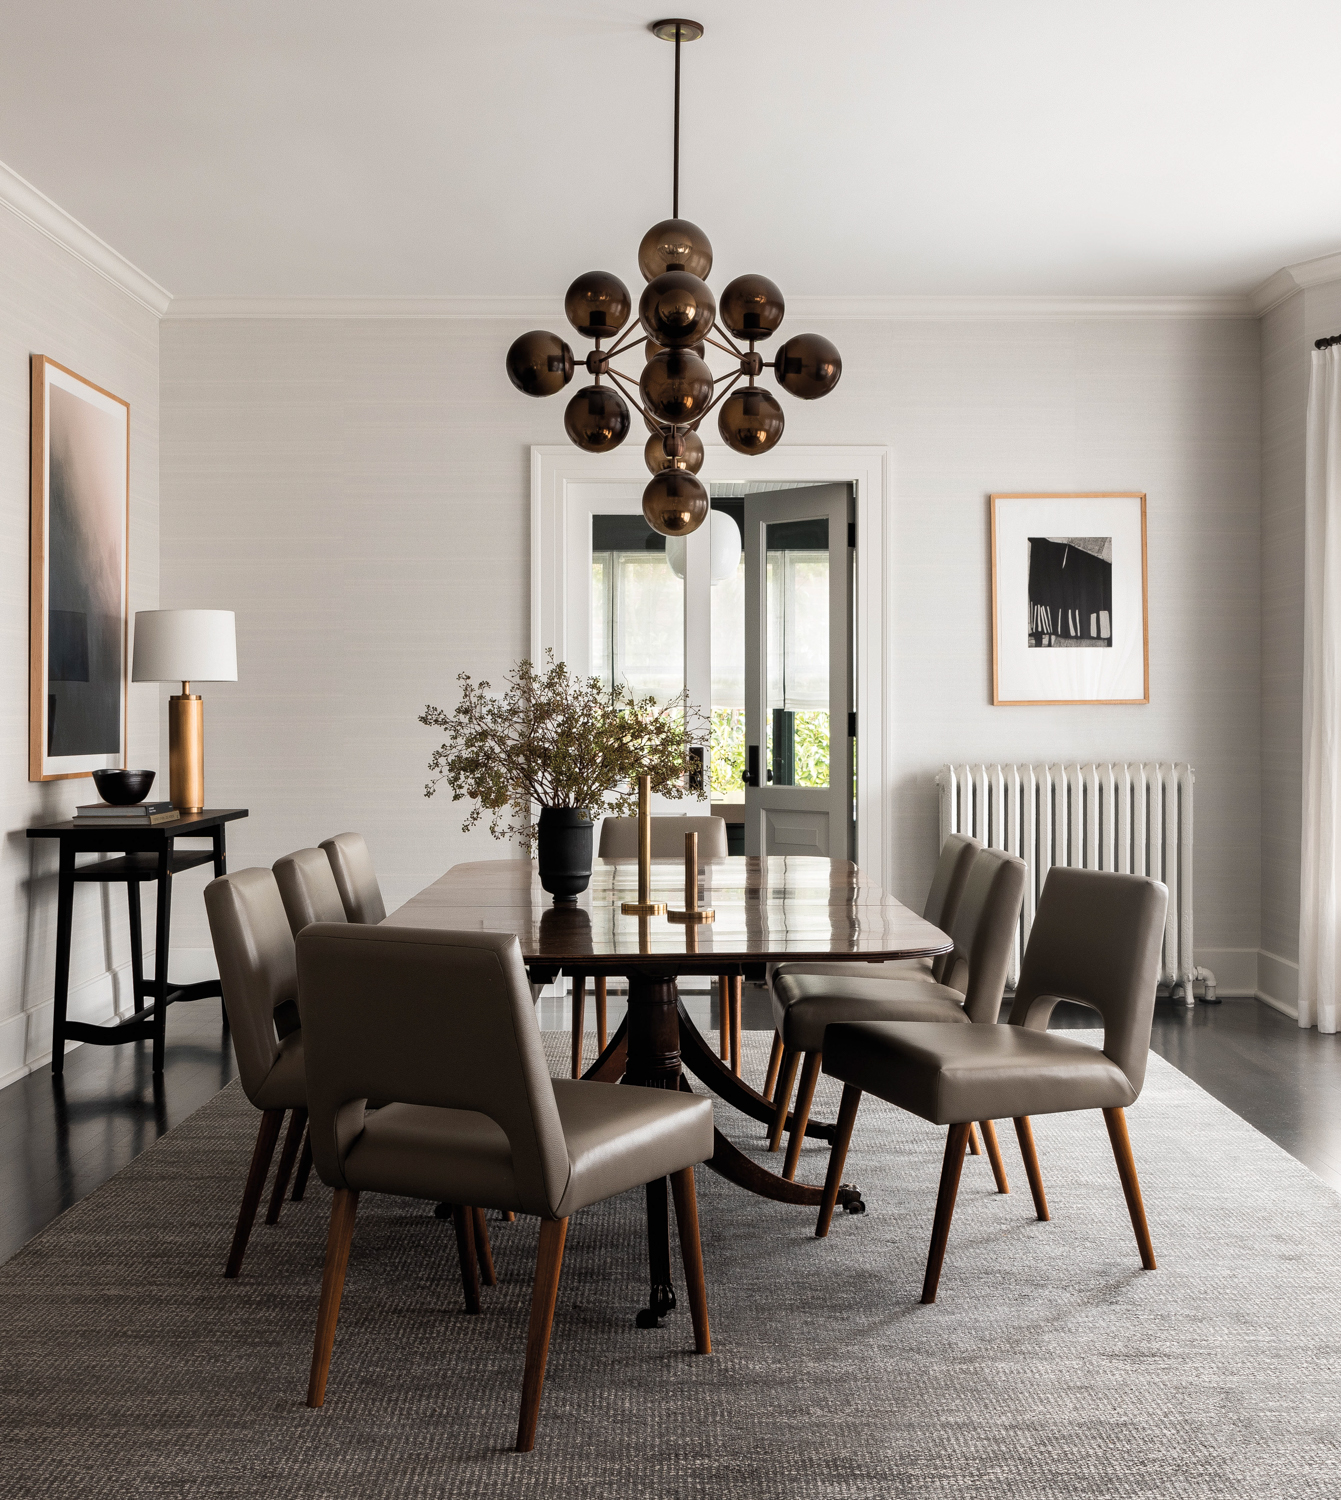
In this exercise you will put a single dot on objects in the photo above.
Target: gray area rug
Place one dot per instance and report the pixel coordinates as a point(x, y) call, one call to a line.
point(1051, 1366)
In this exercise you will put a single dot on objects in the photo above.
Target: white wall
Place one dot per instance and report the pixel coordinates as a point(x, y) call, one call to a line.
point(53, 303)
point(358, 491)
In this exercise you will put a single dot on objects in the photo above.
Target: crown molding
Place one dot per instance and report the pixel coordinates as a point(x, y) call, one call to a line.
point(35, 208)
point(1285, 283)
point(540, 310)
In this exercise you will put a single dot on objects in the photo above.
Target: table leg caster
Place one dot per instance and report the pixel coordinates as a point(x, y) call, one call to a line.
point(850, 1198)
point(660, 1303)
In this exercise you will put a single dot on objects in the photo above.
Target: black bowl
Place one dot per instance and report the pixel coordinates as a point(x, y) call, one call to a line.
point(123, 788)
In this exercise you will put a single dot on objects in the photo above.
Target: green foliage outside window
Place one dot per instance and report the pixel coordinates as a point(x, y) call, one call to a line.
point(728, 749)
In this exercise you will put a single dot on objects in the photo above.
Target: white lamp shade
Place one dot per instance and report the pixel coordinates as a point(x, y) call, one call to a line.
point(185, 645)
point(726, 548)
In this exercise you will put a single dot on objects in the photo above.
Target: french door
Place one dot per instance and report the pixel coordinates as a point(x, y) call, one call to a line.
point(798, 672)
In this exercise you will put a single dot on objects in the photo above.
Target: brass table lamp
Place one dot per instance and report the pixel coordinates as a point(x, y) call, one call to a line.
point(186, 646)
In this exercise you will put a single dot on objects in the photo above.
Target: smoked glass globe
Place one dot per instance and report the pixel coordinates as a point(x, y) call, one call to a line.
point(598, 304)
point(677, 309)
point(676, 386)
point(751, 307)
point(807, 366)
point(540, 363)
point(675, 503)
point(597, 419)
point(674, 245)
point(656, 457)
point(750, 420)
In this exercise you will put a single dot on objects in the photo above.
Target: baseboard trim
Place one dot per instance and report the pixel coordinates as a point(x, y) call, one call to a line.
point(1278, 983)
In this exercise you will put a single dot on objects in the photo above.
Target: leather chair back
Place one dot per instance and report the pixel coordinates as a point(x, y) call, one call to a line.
point(1097, 938)
point(308, 889)
point(355, 878)
point(257, 966)
point(983, 930)
point(411, 1015)
point(619, 837)
point(947, 889)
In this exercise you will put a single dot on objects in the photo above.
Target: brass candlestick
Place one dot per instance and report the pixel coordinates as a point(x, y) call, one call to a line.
point(644, 906)
point(691, 913)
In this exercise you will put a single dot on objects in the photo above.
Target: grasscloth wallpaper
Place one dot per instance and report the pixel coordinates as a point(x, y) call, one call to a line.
point(357, 490)
point(53, 304)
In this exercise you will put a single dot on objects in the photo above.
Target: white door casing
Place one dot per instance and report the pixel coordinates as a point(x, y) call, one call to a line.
point(568, 486)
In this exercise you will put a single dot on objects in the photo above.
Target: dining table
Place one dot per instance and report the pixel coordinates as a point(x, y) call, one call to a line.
point(766, 910)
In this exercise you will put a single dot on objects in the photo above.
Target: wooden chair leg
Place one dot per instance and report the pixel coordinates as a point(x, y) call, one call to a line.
point(847, 1118)
point(975, 1148)
point(544, 1293)
point(304, 1167)
point(483, 1249)
point(737, 1005)
point(287, 1157)
point(782, 1097)
point(724, 1017)
point(266, 1136)
point(994, 1155)
point(805, 1097)
point(691, 1250)
point(1024, 1133)
point(774, 1062)
point(601, 1038)
point(510, 1217)
point(344, 1206)
point(953, 1165)
point(579, 1010)
point(463, 1220)
point(1116, 1120)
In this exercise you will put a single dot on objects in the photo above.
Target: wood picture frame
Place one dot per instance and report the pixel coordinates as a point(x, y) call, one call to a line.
point(79, 576)
point(1103, 602)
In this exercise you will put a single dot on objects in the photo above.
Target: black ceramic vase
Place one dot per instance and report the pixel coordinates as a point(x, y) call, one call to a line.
point(564, 848)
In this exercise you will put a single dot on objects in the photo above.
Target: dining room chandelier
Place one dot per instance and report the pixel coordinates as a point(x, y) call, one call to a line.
point(678, 318)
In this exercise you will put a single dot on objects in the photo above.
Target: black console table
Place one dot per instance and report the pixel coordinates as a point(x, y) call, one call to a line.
point(148, 853)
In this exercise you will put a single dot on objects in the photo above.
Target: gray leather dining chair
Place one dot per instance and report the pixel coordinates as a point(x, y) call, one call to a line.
point(806, 1006)
point(355, 878)
point(1096, 939)
point(947, 887)
point(619, 840)
point(258, 974)
point(453, 1040)
point(307, 886)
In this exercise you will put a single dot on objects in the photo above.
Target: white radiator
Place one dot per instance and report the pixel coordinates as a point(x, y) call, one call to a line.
point(1136, 819)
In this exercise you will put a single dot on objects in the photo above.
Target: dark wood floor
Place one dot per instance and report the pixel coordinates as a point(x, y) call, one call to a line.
point(61, 1142)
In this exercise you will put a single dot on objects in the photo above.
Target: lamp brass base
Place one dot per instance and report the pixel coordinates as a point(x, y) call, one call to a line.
point(643, 908)
point(186, 752)
point(690, 918)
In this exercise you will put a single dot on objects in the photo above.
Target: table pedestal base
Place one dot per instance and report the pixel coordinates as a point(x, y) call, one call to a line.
point(646, 1051)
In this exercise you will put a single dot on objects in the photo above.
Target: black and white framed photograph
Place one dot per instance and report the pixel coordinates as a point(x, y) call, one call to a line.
point(79, 557)
point(1069, 599)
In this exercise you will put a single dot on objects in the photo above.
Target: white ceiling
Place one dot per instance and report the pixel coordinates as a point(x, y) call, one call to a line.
point(405, 148)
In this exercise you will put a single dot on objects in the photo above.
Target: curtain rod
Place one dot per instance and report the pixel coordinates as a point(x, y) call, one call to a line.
point(1327, 343)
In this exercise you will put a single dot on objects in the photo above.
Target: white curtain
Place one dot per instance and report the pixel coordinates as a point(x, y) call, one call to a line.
point(1320, 872)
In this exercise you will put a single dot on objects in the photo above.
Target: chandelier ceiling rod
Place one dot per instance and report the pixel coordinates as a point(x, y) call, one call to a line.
point(675, 190)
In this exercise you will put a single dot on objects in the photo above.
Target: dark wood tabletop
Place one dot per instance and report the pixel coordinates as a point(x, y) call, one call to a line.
point(197, 823)
point(767, 909)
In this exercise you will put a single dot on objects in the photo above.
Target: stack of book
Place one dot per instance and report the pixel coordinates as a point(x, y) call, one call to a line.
point(146, 813)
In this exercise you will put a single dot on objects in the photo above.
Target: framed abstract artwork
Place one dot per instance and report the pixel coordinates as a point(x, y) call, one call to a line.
point(79, 556)
point(1069, 599)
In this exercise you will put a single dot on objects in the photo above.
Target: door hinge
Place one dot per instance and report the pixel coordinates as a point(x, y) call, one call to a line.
point(852, 724)
point(852, 533)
